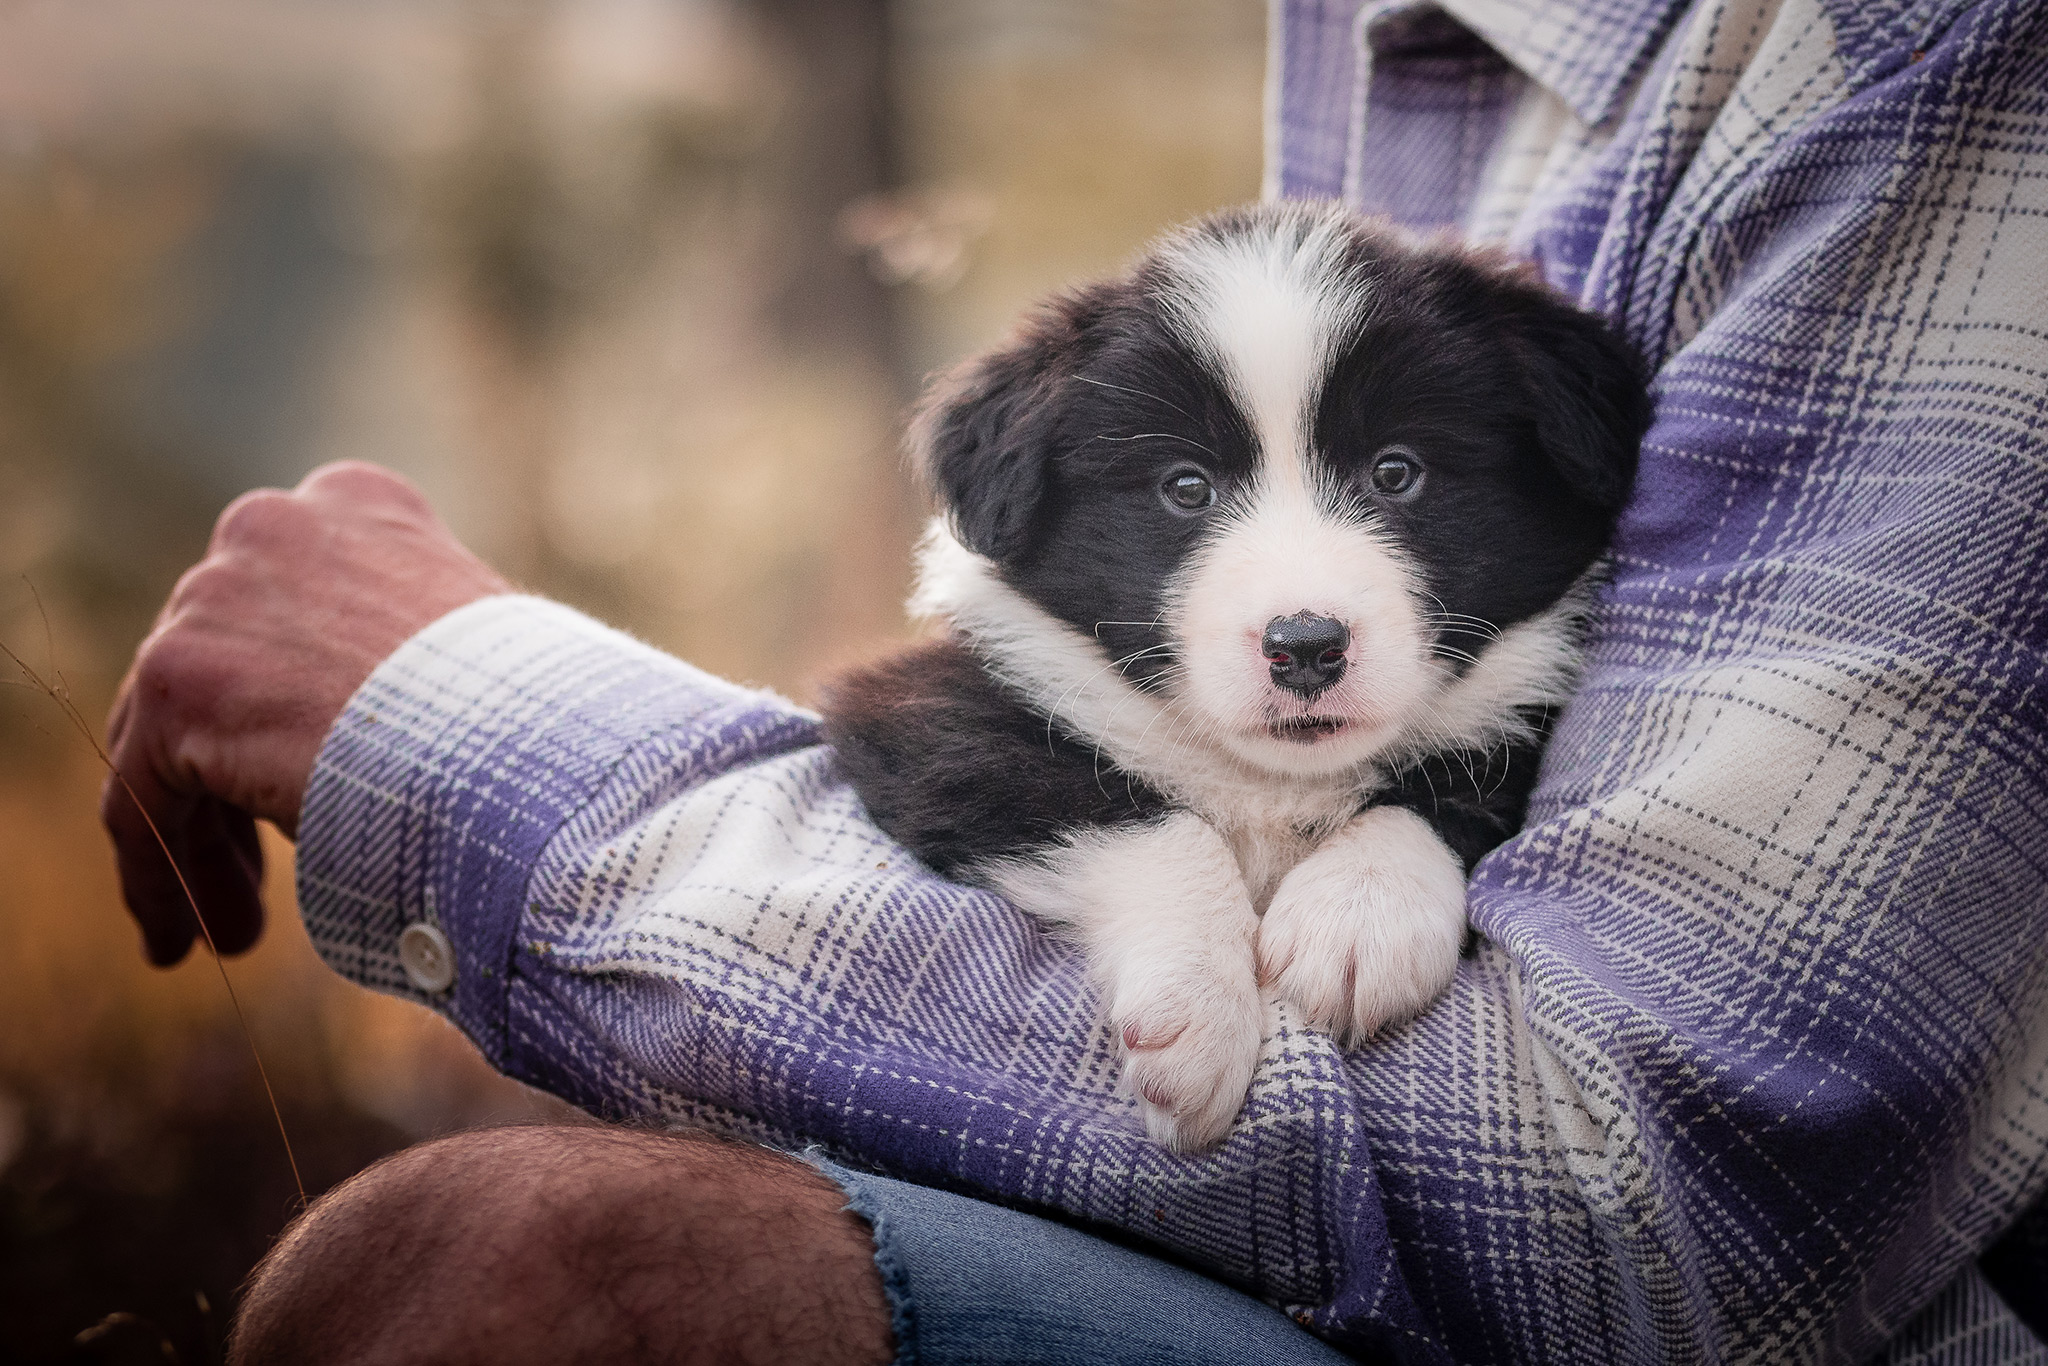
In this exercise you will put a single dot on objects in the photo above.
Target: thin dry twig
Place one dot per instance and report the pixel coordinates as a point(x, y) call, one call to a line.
point(60, 693)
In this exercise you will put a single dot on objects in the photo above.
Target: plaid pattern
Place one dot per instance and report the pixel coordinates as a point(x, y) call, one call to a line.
point(1753, 1060)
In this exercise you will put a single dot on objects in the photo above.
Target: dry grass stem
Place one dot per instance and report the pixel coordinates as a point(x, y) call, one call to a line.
point(58, 691)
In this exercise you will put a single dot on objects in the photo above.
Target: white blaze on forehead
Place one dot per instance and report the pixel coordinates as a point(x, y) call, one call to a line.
point(1267, 307)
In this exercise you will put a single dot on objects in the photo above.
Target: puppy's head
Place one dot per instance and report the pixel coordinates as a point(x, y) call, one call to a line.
point(1293, 474)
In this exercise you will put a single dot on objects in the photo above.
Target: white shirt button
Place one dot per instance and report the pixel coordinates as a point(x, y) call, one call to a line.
point(428, 957)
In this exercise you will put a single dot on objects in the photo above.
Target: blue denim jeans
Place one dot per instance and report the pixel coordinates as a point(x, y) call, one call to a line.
point(975, 1283)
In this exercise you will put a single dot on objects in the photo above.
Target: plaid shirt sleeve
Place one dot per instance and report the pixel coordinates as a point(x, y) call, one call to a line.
point(1752, 1062)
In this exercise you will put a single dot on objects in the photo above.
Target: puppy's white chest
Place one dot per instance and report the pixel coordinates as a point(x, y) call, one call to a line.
point(1267, 852)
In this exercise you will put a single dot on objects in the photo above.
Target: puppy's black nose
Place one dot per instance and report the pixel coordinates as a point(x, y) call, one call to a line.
point(1306, 651)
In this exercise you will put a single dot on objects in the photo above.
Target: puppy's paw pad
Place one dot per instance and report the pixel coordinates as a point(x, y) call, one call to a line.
point(1189, 1060)
point(1366, 931)
point(1382, 974)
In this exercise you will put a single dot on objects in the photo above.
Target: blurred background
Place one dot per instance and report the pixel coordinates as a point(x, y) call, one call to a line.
point(636, 290)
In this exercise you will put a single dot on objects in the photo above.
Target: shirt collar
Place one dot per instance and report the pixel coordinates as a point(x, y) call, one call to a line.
point(1589, 53)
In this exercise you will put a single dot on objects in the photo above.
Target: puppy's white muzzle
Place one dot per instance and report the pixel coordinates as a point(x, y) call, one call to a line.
point(1301, 644)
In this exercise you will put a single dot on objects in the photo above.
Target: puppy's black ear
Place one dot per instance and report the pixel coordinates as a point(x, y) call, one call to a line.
point(1588, 389)
point(986, 431)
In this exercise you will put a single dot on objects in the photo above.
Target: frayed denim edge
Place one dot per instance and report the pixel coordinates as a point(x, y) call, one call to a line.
point(895, 1282)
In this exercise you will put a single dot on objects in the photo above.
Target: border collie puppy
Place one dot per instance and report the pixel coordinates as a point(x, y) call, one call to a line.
point(1262, 569)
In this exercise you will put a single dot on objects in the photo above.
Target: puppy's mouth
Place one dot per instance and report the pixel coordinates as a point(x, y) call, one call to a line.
point(1306, 730)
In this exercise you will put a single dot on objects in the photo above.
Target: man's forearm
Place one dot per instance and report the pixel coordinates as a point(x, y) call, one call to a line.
point(465, 759)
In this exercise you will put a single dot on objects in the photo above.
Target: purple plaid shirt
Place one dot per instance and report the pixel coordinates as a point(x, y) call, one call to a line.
point(1752, 1062)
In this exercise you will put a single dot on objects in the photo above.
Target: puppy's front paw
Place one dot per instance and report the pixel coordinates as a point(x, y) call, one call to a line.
point(1366, 930)
point(1191, 1039)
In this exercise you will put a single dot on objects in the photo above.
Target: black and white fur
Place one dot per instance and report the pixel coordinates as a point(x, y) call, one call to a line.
point(1419, 451)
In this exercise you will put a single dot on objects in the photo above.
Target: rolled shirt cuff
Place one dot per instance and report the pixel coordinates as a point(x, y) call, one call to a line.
point(462, 756)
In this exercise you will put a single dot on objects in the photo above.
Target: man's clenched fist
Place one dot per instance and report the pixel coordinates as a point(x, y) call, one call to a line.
point(301, 595)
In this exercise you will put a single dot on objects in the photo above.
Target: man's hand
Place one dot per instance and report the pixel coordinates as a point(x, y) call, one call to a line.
point(301, 595)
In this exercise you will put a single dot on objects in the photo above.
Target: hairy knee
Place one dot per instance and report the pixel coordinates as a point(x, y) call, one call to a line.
point(367, 1266)
point(553, 1244)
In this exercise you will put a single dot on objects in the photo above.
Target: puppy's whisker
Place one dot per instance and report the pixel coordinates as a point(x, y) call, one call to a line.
point(1484, 638)
point(1164, 436)
point(1099, 672)
point(1147, 732)
point(1109, 722)
point(1106, 734)
point(1074, 692)
point(1471, 626)
point(1152, 652)
point(1445, 613)
point(1140, 393)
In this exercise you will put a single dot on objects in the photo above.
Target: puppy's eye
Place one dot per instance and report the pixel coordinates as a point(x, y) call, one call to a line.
point(1188, 491)
point(1396, 471)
